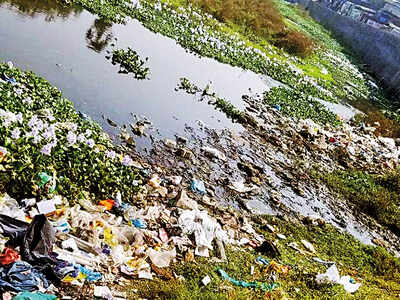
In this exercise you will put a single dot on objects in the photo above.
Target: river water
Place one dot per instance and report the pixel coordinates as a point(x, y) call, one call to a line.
point(67, 46)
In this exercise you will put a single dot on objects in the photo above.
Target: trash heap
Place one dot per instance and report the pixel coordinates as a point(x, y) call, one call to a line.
point(350, 145)
point(48, 244)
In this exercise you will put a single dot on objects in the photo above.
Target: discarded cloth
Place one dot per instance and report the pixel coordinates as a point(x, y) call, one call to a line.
point(34, 296)
point(258, 285)
point(21, 276)
point(9, 256)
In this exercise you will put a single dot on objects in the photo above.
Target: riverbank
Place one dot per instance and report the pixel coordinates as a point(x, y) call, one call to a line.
point(290, 265)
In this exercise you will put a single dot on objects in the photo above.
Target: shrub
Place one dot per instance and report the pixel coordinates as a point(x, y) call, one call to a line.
point(387, 127)
point(295, 42)
point(259, 17)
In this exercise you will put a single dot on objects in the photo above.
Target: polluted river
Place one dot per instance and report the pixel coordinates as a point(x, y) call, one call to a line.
point(68, 46)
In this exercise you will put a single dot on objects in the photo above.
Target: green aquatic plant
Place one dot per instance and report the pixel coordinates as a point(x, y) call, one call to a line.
point(298, 104)
point(130, 63)
point(40, 131)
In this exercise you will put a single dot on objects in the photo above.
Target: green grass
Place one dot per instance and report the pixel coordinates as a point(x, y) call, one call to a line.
point(375, 268)
point(376, 195)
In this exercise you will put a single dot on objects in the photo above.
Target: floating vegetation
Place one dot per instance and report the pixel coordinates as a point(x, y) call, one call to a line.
point(223, 105)
point(130, 63)
point(296, 103)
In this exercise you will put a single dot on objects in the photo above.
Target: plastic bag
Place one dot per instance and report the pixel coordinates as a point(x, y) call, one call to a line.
point(260, 285)
point(13, 229)
point(34, 296)
point(198, 186)
point(45, 180)
point(205, 229)
point(161, 259)
point(332, 275)
point(10, 208)
point(38, 241)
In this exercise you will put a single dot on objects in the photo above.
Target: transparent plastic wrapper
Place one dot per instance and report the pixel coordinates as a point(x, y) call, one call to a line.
point(161, 259)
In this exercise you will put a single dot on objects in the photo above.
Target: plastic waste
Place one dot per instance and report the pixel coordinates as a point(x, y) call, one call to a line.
point(162, 233)
point(239, 187)
point(332, 275)
point(198, 186)
point(46, 180)
point(138, 223)
point(269, 248)
point(145, 275)
point(108, 204)
point(206, 280)
point(13, 229)
point(176, 180)
point(308, 246)
point(221, 249)
point(9, 256)
point(10, 79)
point(110, 238)
point(183, 201)
point(102, 292)
point(259, 285)
point(34, 296)
point(205, 230)
point(324, 262)
point(90, 275)
point(212, 152)
point(38, 240)
point(170, 143)
point(46, 206)
point(155, 181)
point(277, 107)
point(10, 208)
point(262, 260)
point(161, 259)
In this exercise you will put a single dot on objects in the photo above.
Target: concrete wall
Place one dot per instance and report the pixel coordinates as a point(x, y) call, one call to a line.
point(379, 49)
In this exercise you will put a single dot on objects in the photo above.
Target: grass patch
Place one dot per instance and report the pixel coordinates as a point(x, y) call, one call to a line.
point(376, 195)
point(374, 267)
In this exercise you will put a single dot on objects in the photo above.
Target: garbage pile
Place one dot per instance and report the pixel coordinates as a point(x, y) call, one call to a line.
point(350, 145)
point(47, 244)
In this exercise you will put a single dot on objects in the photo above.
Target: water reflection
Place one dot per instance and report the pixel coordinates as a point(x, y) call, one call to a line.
point(52, 9)
point(99, 35)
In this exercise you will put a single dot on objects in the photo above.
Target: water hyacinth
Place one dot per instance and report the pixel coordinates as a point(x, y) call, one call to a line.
point(46, 149)
point(47, 136)
point(71, 138)
point(90, 143)
point(127, 161)
point(110, 154)
point(15, 134)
